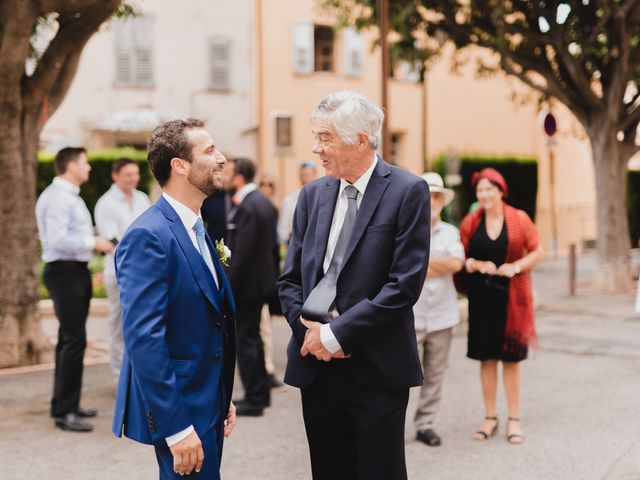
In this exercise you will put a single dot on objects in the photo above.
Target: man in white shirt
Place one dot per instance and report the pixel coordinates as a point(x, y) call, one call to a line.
point(68, 243)
point(307, 174)
point(114, 212)
point(436, 311)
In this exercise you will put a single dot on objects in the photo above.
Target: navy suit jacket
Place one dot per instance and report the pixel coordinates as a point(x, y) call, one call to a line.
point(179, 332)
point(381, 277)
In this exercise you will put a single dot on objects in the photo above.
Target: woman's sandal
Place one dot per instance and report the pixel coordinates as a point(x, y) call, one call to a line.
point(482, 435)
point(514, 438)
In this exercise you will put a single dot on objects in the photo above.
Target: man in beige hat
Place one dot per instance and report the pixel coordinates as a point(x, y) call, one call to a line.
point(436, 311)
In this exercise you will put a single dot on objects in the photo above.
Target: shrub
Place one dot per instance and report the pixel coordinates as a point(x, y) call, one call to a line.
point(100, 177)
point(520, 173)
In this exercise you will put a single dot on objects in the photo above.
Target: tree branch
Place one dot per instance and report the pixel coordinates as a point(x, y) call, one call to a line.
point(59, 61)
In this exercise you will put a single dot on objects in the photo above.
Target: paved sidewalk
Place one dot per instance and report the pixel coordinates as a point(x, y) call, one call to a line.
point(580, 415)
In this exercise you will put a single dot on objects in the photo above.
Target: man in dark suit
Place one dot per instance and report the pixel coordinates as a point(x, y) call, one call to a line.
point(177, 313)
point(252, 273)
point(356, 264)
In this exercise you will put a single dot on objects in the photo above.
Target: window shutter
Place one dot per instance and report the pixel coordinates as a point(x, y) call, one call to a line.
point(124, 51)
point(303, 47)
point(144, 51)
point(353, 53)
point(219, 64)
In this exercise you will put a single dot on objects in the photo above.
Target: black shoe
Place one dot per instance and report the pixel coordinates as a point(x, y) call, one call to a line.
point(429, 437)
point(244, 409)
point(72, 423)
point(274, 382)
point(87, 412)
point(81, 412)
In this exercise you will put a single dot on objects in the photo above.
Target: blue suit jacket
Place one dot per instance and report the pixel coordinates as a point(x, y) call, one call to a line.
point(179, 332)
point(380, 279)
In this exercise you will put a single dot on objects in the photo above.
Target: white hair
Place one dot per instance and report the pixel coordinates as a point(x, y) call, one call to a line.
point(351, 114)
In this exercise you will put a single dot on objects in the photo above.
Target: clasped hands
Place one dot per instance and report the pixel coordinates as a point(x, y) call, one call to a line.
point(507, 270)
point(313, 343)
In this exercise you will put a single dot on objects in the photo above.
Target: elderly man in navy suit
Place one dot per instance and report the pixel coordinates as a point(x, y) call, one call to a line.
point(177, 313)
point(356, 264)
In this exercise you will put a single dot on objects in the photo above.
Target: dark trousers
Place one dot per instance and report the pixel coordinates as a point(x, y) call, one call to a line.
point(212, 447)
point(250, 354)
point(354, 432)
point(69, 284)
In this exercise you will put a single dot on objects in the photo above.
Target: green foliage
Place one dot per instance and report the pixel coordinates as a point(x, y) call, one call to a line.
point(520, 173)
point(100, 178)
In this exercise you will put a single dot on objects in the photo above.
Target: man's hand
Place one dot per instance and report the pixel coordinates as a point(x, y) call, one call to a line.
point(188, 454)
point(312, 342)
point(103, 245)
point(230, 421)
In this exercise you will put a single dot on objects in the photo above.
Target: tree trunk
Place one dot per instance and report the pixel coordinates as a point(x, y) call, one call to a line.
point(613, 243)
point(22, 339)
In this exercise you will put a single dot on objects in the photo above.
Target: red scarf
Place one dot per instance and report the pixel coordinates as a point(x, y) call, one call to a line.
point(522, 238)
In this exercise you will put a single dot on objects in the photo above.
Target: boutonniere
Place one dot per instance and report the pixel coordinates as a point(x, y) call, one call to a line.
point(224, 254)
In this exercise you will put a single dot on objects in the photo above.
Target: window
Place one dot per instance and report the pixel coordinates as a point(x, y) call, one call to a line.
point(396, 140)
point(283, 130)
point(134, 51)
point(323, 48)
point(353, 45)
point(219, 64)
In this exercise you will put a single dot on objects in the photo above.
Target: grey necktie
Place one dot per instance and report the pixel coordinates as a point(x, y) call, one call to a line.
point(202, 245)
point(321, 298)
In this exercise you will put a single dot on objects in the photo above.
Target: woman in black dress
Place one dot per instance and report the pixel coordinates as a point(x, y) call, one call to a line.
point(501, 245)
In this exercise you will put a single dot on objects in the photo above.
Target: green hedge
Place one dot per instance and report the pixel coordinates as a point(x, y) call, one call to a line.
point(520, 173)
point(100, 177)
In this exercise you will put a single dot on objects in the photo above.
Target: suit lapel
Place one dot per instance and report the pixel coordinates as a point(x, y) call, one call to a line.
point(198, 267)
point(378, 183)
point(327, 199)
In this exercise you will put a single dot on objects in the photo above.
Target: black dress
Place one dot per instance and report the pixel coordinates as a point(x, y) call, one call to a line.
point(488, 297)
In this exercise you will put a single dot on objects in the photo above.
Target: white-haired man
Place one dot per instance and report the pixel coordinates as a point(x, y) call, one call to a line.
point(356, 264)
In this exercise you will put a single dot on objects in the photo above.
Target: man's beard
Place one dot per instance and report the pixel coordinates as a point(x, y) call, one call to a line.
point(206, 184)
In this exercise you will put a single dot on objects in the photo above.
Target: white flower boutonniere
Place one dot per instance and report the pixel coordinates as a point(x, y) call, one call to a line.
point(224, 254)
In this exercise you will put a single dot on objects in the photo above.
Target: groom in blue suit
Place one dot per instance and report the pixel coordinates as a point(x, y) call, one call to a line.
point(177, 313)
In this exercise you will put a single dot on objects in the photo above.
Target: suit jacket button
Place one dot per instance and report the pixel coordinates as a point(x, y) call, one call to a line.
point(218, 325)
point(216, 357)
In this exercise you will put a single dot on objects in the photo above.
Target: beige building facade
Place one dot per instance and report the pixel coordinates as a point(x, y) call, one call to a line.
point(187, 58)
point(254, 70)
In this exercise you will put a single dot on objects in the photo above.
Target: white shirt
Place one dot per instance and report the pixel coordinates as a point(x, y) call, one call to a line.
point(64, 223)
point(326, 334)
point(188, 219)
point(437, 307)
point(244, 191)
point(114, 214)
point(287, 212)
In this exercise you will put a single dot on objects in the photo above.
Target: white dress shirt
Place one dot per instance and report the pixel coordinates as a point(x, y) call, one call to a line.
point(244, 191)
point(329, 341)
point(64, 223)
point(114, 214)
point(437, 306)
point(188, 219)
